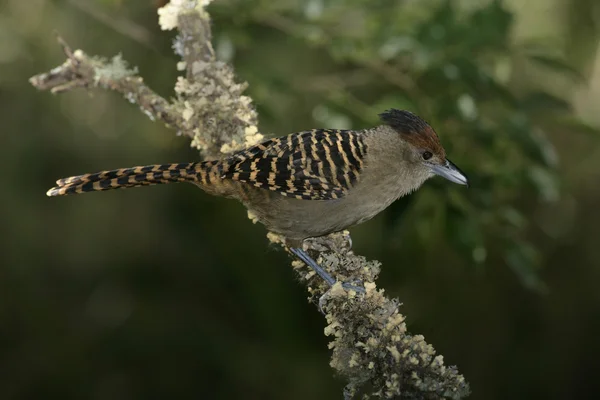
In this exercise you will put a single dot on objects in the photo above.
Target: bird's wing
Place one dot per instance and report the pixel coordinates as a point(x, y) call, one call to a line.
point(321, 164)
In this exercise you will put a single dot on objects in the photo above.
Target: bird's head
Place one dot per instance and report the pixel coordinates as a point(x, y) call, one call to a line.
point(424, 149)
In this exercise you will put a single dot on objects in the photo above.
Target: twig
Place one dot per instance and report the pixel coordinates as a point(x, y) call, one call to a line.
point(83, 71)
point(370, 343)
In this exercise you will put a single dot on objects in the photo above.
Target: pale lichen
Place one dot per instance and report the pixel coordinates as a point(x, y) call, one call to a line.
point(252, 217)
point(252, 135)
point(218, 117)
point(370, 343)
point(168, 15)
point(114, 70)
point(275, 238)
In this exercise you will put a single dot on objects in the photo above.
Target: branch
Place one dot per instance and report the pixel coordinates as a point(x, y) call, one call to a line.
point(83, 71)
point(371, 346)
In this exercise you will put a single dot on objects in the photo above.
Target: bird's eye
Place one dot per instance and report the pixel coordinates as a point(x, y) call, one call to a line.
point(427, 155)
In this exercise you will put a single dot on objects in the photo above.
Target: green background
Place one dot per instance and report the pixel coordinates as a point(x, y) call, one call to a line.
point(166, 292)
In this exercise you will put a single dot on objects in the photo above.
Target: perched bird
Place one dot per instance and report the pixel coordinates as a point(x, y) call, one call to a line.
point(305, 184)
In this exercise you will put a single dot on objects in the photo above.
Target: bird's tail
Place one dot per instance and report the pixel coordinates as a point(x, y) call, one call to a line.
point(200, 173)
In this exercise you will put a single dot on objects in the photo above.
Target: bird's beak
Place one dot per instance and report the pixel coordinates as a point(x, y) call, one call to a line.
point(451, 172)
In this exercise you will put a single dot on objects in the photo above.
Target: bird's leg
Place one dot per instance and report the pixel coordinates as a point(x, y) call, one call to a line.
point(304, 257)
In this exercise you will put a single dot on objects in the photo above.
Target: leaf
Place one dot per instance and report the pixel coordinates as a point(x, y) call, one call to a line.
point(489, 26)
point(546, 149)
point(557, 65)
point(395, 213)
point(396, 100)
point(531, 141)
point(466, 234)
point(522, 258)
point(544, 102)
point(500, 92)
point(433, 33)
point(575, 125)
point(514, 217)
point(546, 183)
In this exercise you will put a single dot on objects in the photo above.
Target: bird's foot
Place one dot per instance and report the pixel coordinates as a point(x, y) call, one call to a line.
point(304, 257)
point(357, 286)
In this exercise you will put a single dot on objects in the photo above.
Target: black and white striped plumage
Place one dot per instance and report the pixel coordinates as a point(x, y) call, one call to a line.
point(321, 164)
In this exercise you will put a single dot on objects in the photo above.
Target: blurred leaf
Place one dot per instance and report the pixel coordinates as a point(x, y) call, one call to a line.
point(546, 148)
point(532, 143)
point(496, 91)
point(521, 257)
point(557, 65)
point(545, 183)
point(514, 217)
point(465, 234)
point(396, 211)
point(489, 26)
point(396, 100)
point(433, 33)
point(576, 125)
point(544, 102)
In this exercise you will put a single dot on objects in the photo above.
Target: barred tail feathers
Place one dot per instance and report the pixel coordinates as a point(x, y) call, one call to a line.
point(201, 173)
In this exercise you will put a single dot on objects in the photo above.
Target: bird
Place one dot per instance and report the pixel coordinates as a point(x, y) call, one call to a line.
point(306, 184)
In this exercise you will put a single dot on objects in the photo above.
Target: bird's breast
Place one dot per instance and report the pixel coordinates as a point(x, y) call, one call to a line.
point(300, 219)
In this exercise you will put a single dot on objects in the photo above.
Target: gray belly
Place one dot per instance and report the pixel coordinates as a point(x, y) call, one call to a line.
point(299, 219)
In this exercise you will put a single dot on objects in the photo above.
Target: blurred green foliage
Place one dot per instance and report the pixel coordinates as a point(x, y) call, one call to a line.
point(166, 292)
point(450, 66)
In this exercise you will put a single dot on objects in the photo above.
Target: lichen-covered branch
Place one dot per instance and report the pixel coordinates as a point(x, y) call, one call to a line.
point(83, 71)
point(371, 347)
point(218, 117)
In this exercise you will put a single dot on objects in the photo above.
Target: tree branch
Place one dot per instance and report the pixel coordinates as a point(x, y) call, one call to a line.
point(83, 71)
point(370, 343)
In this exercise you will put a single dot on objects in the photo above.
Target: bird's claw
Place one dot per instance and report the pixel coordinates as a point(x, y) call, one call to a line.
point(322, 301)
point(357, 289)
point(356, 286)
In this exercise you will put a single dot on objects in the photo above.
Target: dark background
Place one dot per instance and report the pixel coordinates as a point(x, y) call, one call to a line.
point(166, 292)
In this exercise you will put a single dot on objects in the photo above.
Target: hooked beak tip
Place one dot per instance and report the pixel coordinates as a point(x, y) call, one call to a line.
point(451, 172)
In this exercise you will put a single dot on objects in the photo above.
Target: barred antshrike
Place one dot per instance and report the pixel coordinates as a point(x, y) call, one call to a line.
point(305, 184)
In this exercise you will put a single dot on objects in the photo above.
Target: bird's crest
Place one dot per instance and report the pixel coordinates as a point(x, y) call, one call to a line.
point(414, 130)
